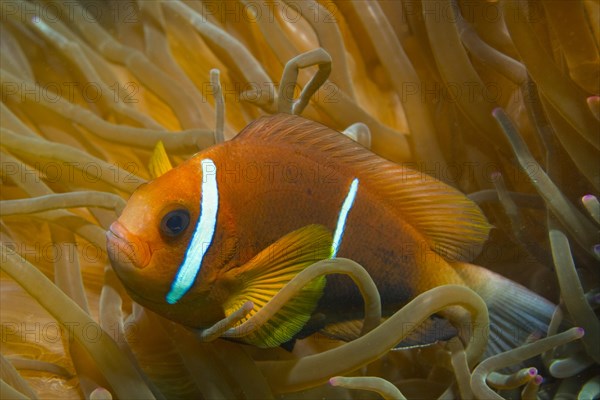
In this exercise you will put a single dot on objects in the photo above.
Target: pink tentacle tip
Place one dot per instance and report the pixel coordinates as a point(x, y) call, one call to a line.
point(580, 331)
point(538, 380)
point(496, 175)
point(593, 99)
point(333, 381)
point(248, 306)
point(533, 371)
point(588, 197)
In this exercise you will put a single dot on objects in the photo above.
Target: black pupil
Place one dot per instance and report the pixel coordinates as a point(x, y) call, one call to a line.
point(175, 222)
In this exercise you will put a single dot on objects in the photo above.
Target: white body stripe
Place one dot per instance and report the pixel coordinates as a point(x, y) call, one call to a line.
point(341, 223)
point(203, 234)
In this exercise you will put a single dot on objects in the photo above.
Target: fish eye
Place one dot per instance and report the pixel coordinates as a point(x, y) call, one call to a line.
point(175, 222)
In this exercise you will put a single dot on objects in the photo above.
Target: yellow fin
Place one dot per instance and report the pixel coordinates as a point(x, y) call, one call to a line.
point(451, 223)
point(159, 161)
point(269, 271)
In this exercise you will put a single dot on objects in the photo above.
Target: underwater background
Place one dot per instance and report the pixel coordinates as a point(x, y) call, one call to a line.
point(499, 99)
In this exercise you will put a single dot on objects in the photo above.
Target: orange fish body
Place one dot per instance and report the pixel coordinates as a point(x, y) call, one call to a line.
point(281, 174)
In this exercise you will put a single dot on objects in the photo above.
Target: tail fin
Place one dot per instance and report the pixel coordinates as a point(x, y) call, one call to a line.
point(516, 313)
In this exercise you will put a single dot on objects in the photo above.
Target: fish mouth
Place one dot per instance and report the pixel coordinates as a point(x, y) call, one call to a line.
point(125, 249)
point(128, 256)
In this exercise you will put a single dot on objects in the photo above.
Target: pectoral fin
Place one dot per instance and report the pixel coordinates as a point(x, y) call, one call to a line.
point(263, 276)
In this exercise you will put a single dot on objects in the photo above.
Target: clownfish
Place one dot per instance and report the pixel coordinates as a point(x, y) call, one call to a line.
point(239, 220)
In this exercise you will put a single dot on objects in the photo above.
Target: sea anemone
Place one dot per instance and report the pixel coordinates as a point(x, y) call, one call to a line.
point(499, 99)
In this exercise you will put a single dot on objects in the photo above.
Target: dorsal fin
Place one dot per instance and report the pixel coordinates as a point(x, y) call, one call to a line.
point(452, 225)
point(159, 161)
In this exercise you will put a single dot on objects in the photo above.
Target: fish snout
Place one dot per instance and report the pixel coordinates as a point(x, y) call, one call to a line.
point(126, 249)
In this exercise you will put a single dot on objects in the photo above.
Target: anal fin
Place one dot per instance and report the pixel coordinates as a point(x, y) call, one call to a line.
point(429, 332)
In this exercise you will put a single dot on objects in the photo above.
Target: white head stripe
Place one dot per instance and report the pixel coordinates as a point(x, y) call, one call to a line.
point(203, 234)
point(341, 223)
